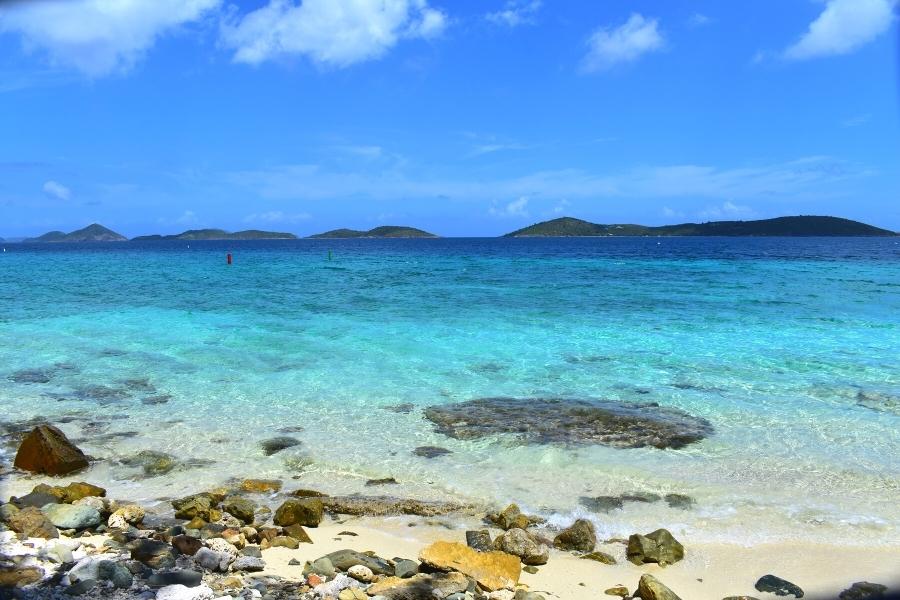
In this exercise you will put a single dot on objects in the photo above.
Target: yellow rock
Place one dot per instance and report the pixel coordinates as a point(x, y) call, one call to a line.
point(492, 570)
point(260, 486)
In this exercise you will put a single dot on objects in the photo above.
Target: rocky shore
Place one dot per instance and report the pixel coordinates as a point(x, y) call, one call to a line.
point(253, 538)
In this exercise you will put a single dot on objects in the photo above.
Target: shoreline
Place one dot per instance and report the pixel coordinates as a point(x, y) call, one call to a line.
point(708, 570)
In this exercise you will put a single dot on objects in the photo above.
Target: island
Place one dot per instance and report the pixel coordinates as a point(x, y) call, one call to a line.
point(385, 231)
point(91, 233)
point(798, 226)
point(217, 234)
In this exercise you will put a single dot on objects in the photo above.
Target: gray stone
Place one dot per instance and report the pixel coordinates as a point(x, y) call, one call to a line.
point(656, 547)
point(863, 590)
point(321, 566)
point(480, 540)
point(580, 537)
point(527, 547)
point(212, 560)
point(277, 444)
point(119, 576)
point(248, 563)
point(70, 516)
point(185, 577)
point(153, 553)
point(405, 568)
point(344, 559)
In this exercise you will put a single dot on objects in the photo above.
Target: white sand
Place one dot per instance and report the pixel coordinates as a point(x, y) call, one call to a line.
point(708, 572)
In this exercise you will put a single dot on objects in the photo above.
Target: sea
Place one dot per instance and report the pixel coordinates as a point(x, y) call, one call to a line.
point(788, 347)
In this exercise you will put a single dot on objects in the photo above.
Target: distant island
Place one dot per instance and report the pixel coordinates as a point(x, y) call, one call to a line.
point(91, 233)
point(801, 226)
point(217, 234)
point(385, 231)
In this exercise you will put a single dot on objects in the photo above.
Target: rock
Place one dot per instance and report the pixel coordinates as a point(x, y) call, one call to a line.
point(383, 481)
point(88, 568)
point(679, 501)
point(492, 570)
point(277, 444)
point(361, 573)
point(431, 451)
point(352, 594)
point(300, 511)
point(76, 491)
point(283, 541)
point(69, 516)
point(740, 598)
point(130, 514)
point(152, 463)
point(7, 511)
point(186, 544)
point(212, 560)
point(510, 517)
point(248, 563)
point(185, 577)
point(650, 588)
point(120, 577)
point(480, 540)
point(260, 486)
point(579, 537)
point(153, 553)
point(304, 493)
point(422, 586)
point(31, 522)
point(657, 547)
point(619, 590)
point(240, 508)
point(405, 568)
point(566, 421)
point(334, 587)
point(778, 586)
point(180, 592)
point(345, 559)
point(320, 566)
point(82, 587)
point(526, 595)
point(17, 577)
point(298, 533)
point(863, 590)
point(47, 450)
point(220, 545)
point(191, 507)
point(377, 506)
point(519, 542)
point(251, 551)
point(58, 553)
point(36, 499)
point(600, 557)
point(31, 376)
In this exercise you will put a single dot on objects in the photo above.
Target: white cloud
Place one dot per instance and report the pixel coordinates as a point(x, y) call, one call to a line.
point(727, 210)
point(188, 217)
point(671, 213)
point(516, 208)
point(856, 120)
point(57, 190)
point(842, 27)
point(515, 13)
point(483, 149)
point(97, 37)
point(698, 20)
point(608, 47)
point(333, 33)
point(276, 216)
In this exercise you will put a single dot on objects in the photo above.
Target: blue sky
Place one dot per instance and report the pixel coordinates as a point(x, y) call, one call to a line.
point(462, 117)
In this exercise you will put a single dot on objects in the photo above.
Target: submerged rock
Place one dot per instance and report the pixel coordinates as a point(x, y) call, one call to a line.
point(492, 570)
point(382, 481)
point(277, 444)
point(31, 376)
point(879, 401)
point(376, 506)
point(431, 451)
point(656, 547)
point(152, 462)
point(555, 420)
point(650, 588)
point(778, 586)
point(47, 450)
point(260, 486)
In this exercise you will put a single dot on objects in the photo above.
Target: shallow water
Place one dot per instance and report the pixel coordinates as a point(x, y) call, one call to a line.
point(788, 347)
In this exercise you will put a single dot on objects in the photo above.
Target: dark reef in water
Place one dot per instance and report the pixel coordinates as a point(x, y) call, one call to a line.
point(566, 421)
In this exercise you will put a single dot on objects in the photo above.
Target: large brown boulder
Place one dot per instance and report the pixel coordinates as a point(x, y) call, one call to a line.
point(47, 450)
point(492, 570)
point(657, 547)
point(300, 511)
point(31, 522)
point(580, 536)
point(650, 588)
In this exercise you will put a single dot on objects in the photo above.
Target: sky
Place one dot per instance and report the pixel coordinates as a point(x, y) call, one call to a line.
point(462, 117)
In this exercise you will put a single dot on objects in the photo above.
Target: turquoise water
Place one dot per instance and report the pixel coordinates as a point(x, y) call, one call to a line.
point(789, 347)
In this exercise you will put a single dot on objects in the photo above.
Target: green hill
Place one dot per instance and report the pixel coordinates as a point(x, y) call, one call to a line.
point(385, 231)
point(217, 234)
point(802, 226)
point(91, 233)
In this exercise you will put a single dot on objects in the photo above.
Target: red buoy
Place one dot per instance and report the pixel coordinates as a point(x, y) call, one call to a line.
point(229, 258)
